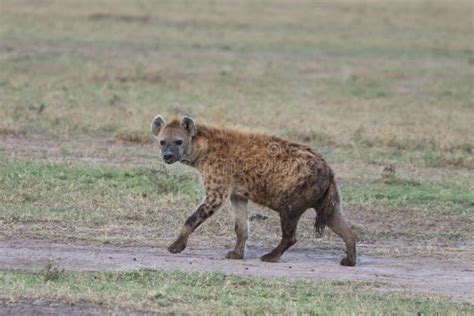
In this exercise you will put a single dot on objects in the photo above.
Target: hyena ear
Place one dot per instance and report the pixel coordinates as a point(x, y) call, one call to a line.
point(188, 124)
point(156, 125)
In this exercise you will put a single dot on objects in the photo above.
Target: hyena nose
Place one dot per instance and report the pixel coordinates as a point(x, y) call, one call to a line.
point(167, 156)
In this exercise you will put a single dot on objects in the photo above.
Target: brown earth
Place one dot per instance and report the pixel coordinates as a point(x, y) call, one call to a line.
point(445, 277)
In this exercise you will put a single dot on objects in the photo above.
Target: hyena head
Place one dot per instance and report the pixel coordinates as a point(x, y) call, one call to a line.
point(174, 138)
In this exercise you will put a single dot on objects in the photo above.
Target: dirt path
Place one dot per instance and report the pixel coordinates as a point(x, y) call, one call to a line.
point(452, 278)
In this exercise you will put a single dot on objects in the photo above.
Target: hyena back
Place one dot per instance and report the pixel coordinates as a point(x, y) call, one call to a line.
point(239, 166)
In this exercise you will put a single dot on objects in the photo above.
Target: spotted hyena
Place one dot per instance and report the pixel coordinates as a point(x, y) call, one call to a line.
point(238, 165)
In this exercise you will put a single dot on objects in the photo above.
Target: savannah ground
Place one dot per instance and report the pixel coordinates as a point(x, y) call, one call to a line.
point(372, 86)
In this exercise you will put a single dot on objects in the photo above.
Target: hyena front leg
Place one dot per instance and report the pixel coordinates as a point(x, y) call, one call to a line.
point(213, 200)
point(241, 227)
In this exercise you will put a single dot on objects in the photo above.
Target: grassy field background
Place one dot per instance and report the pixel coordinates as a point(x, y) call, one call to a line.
point(373, 86)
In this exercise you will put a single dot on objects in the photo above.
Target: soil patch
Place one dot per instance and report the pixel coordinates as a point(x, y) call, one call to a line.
point(446, 277)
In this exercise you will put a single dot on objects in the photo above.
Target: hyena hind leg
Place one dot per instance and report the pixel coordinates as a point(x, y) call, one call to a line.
point(288, 227)
point(241, 227)
point(339, 225)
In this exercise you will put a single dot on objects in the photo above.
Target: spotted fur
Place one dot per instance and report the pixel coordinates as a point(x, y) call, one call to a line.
point(285, 176)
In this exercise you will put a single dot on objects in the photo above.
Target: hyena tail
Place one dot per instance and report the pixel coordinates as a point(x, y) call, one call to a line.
point(329, 203)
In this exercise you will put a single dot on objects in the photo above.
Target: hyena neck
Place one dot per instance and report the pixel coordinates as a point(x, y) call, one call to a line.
point(199, 146)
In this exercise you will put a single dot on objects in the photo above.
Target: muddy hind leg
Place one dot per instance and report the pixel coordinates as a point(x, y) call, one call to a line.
point(241, 227)
point(288, 227)
point(339, 225)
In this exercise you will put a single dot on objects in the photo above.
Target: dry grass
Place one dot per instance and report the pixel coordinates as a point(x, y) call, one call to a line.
point(5, 130)
point(369, 84)
point(376, 75)
point(136, 137)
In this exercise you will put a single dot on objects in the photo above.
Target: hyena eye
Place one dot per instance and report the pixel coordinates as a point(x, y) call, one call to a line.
point(179, 142)
point(162, 142)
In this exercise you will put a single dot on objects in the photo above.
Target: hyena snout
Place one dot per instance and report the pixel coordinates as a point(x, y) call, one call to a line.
point(169, 157)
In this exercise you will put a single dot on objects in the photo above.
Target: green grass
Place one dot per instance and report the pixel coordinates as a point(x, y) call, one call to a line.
point(39, 191)
point(116, 181)
point(430, 197)
point(55, 192)
point(110, 200)
point(215, 293)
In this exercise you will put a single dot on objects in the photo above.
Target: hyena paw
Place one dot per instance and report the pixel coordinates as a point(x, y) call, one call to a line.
point(269, 257)
point(349, 262)
point(176, 247)
point(234, 255)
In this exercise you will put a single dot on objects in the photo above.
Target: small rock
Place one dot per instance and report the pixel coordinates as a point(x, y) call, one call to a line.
point(258, 217)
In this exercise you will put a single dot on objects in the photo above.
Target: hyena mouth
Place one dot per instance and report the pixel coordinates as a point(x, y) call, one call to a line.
point(185, 161)
point(169, 161)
